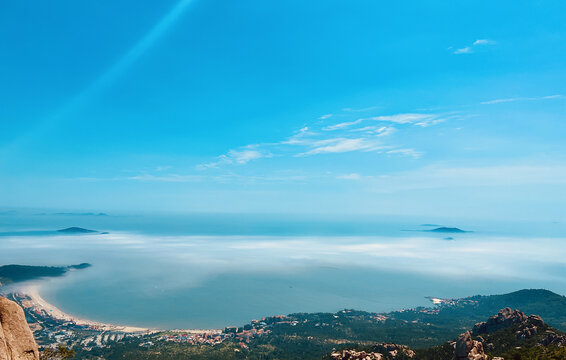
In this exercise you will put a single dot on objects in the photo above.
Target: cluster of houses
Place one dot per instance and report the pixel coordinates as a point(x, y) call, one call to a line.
point(452, 302)
point(429, 311)
point(378, 317)
point(209, 338)
point(241, 335)
point(50, 332)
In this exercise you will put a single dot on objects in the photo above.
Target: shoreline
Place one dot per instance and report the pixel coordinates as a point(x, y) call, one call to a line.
point(37, 303)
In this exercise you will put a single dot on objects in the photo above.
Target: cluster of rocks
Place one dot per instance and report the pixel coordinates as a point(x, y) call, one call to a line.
point(529, 326)
point(552, 338)
point(16, 338)
point(527, 332)
point(504, 319)
point(466, 348)
point(355, 355)
point(393, 350)
point(378, 352)
point(470, 345)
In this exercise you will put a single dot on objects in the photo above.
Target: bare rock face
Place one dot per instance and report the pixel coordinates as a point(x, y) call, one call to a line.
point(527, 331)
point(355, 355)
point(535, 320)
point(394, 349)
point(505, 318)
point(529, 326)
point(377, 352)
point(467, 348)
point(553, 338)
point(16, 338)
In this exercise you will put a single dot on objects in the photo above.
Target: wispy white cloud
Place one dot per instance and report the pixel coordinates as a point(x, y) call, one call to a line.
point(385, 130)
point(422, 120)
point(191, 178)
point(166, 178)
point(369, 134)
point(302, 136)
point(324, 117)
point(464, 50)
point(484, 42)
point(418, 119)
point(499, 101)
point(342, 125)
point(369, 108)
point(239, 157)
point(377, 130)
point(405, 152)
point(162, 168)
point(342, 145)
point(470, 49)
point(352, 176)
point(244, 156)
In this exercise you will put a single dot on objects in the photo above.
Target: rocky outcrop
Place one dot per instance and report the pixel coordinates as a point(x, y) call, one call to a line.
point(535, 320)
point(528, 326)
point(531, 327)
point(526, 332)
point(378, 352)
point(552, 338)
point(16, 338)
point(355, 355)
point(505, 318)
point(393, 350)
point(467, 348)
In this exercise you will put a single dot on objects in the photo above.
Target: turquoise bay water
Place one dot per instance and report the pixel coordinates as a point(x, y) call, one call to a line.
point(205, 271)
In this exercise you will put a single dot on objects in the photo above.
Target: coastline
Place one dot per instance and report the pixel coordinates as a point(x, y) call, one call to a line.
point(37, 303)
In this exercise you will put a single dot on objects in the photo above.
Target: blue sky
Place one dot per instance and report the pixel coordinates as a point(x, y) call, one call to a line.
point(369, 107)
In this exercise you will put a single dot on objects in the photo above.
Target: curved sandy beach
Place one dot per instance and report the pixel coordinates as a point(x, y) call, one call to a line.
point(32, 291)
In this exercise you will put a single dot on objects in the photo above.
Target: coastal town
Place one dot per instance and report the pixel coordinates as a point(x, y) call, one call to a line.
point(241, 335)
point(52, 327)
point(451, 302)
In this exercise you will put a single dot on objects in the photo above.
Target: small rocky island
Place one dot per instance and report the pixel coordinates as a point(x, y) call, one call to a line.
point(444, 229)
point(76, 230)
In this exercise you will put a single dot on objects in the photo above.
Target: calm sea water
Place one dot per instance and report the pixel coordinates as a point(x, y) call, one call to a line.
point(210, 271)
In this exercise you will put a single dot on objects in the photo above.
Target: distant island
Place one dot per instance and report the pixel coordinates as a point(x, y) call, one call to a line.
point(81, 214)
point(76, 230)
point(71, 214)
point(79, 266)
point(444, 229)
point(18, 273)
